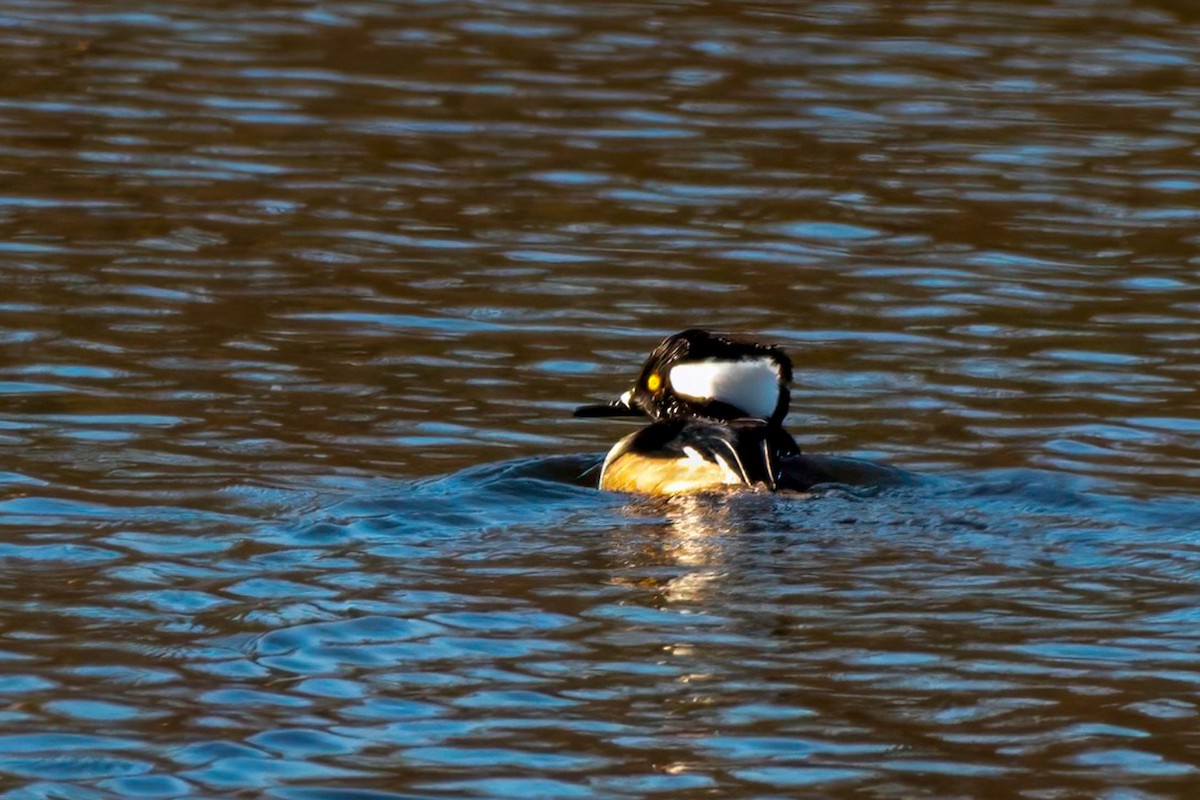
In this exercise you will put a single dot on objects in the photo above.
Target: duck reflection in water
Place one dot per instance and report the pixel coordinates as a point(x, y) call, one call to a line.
point(682, 548)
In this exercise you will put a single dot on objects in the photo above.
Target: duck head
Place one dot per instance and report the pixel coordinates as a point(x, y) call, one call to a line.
point(696, 373)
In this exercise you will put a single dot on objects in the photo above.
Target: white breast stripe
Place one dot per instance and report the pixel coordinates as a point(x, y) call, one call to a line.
point(741, 476)
point(616, 451)
point(766, 451)
point(751, 385)
point(731, 475)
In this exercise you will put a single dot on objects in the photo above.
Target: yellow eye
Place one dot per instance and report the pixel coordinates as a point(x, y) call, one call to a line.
point(654, 382)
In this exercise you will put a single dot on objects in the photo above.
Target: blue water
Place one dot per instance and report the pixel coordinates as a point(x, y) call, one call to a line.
point(507, 631)
point(296, 301)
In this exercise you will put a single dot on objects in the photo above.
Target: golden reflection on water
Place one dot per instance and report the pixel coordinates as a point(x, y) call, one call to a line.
point(698, 534)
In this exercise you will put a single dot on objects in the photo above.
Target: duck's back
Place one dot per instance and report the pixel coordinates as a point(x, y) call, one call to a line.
point(679, 456)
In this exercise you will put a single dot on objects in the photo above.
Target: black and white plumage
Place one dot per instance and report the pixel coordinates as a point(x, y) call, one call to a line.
point(716, 406)
point(700, 374)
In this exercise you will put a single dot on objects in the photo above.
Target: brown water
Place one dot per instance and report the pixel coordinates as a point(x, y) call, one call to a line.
point(297, 299)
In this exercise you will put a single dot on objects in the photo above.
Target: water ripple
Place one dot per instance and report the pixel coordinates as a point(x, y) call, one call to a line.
point(297, 302)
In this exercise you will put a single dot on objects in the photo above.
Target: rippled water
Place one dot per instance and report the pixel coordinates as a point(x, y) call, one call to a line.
point(297, 299)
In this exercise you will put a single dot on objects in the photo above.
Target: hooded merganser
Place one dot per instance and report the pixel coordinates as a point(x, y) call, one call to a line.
point(716, 406)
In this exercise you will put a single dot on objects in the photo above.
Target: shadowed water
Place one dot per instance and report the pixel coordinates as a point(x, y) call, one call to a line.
point(296, 300)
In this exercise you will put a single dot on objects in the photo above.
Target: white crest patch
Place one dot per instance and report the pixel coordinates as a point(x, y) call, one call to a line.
point(751, 384)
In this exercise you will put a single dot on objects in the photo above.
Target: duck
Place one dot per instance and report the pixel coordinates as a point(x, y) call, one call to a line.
point(716, 405)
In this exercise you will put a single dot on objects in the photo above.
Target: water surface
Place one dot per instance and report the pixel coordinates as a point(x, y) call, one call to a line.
point(296, 300)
